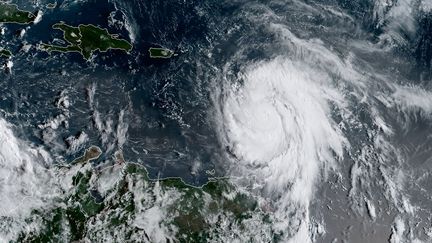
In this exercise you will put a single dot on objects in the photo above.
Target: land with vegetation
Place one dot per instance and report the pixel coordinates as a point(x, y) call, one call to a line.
point(156, 52)
point(10, 13)
point(86, 39)
point(112, 201)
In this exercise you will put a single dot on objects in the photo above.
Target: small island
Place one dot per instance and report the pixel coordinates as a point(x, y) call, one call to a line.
point(5, 53)
point(160, 52)
point(51, 5)
point(92, 153)
point(86, 39)
point(9, 13)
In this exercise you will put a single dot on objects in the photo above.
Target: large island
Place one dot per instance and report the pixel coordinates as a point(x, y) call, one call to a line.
point(86, 39)
point(9, 13)
point(156, 52)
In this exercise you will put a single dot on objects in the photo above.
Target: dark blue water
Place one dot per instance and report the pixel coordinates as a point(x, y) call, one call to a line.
point(167, 103)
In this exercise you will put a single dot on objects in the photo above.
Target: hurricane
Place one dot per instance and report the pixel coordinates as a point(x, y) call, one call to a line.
point(317, 106)
point(228, 121)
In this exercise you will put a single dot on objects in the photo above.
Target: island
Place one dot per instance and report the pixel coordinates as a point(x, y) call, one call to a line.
point(5, 53)
point(92, 153)
point(51, 5)
point(10, 13)
point(156, 52)
point(86, 39)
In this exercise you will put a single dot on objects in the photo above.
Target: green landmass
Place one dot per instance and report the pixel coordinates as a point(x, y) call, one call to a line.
point(5, 53)
point(9, 13)
point(160, 52)
point(86, 39)
point(110, 203)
